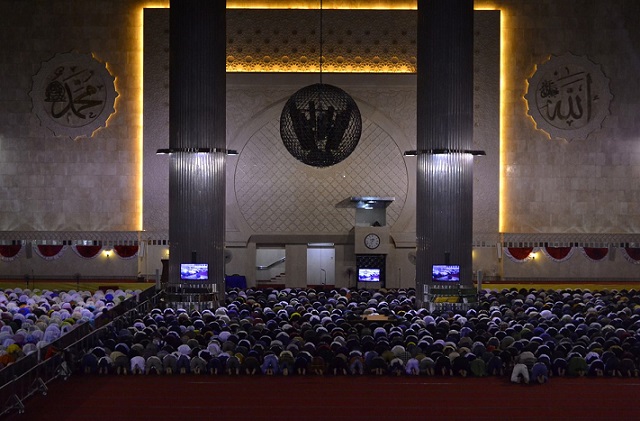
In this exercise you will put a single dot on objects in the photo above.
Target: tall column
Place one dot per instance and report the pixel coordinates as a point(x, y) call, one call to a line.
point(444, 196)
point(197, 139)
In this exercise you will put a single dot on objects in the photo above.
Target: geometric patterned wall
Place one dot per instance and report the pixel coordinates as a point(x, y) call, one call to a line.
point(277, 193)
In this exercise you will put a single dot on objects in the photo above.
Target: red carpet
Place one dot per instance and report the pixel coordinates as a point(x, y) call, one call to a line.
point(190, 397)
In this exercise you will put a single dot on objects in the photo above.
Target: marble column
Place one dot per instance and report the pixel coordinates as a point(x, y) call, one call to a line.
point(444, 197)
point(197, 139)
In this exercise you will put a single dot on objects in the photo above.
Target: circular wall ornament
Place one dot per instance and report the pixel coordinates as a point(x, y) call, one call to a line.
point(73, 94)
point(320, 125)
point(568, 97)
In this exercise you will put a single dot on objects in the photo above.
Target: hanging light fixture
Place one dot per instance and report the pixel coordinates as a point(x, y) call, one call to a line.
point(320, 124)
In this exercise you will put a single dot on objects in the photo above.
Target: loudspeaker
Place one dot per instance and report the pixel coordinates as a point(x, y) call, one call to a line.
point(194, 257)
point(29, 250)
point(499, 250)
point(612, 253)
point(447, 257)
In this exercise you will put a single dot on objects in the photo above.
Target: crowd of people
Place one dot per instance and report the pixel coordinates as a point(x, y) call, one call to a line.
point(527, 334)
point(30, 320)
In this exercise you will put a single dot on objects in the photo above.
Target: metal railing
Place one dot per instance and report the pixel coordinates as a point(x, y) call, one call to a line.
point(269, 266)
point(32, 373)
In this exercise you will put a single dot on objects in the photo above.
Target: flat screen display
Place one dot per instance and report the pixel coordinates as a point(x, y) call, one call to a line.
point(368, 275)
point(445, 273)
point(194, 271)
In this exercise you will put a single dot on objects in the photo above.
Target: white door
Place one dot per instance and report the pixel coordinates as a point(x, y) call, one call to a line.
point(321, 266)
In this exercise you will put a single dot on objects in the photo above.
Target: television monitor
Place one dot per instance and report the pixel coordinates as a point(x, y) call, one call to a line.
point(194, 271)
point(445, 273)
point(368, 275)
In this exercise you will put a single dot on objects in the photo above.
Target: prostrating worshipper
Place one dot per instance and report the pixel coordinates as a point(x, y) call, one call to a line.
point(153, 365)
point(396, 367)
point(577, 366)
point(378, 366)
point(520, 373)
point(120, 361)
point(356, 363)
point(170, 363)
point(461, 366)
point(427, 366)
point(443, 366)
point(478, 367)
point(286, 362)
point(413, 367)
point(596, 368)
point(339, 365)
point(233, 365)
point(303, 363)
point(251, 365)
point(540, 373)
point(89, 363)
point(198, 365)
point(318, 365)
point(138, 364)
point(270, 365)
point(524, 362)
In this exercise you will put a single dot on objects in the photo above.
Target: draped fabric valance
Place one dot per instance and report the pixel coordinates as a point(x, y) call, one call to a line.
point(87, 252)
point(595, 253)
point(558, 254)
point(50, 251)
point(561, 254)
point(518, 254)
point(10, 252)
point(632, 254)
point(126, 252)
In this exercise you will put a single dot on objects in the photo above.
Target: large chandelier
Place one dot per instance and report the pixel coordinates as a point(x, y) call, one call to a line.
point(320, 124)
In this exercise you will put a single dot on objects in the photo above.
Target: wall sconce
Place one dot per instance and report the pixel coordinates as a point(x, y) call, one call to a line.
point(415, 152)
point(532, 255)
point(107, 253)
point(170, 151)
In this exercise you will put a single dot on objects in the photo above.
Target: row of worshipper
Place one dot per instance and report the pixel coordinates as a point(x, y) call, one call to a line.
point(32, 319)
point(297, 331)
point(598, 331)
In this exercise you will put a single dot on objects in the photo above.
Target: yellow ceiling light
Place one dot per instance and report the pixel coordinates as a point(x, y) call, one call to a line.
point(327, 4)
point(489, 5)
point(502, 128)
point(139, 111)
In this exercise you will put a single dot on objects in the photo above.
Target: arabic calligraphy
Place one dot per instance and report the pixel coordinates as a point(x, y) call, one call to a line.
point(568, 97)
point(74, 95)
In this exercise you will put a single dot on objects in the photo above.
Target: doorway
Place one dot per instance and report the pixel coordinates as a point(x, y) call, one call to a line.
point(321, 266)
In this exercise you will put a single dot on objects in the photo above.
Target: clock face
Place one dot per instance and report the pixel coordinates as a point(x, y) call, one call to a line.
point(372, 241)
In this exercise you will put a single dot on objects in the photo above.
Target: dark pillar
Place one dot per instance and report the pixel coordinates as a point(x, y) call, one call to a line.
point(198, 145)
point(444, 197)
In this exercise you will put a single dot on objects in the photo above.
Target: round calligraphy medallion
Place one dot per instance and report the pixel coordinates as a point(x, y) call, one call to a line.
point(73, 95)
point(568, 97)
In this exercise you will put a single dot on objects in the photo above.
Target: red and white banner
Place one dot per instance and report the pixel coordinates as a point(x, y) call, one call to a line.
point(632, 254)
point(50, 251)
point(126, 252)
point(558, 254)
point(595, 253)
point(518, 254)
point(87, 252)
point(10, 252)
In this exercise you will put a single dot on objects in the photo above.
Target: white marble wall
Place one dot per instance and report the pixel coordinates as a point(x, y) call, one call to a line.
point(549, 187)
point(50, 183)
